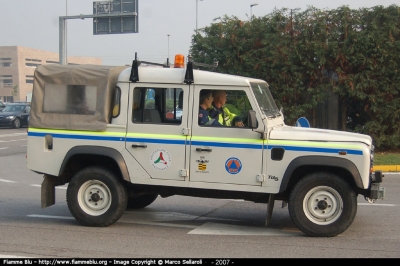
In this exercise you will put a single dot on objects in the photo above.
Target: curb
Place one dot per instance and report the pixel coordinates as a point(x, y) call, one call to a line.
point(387, 168)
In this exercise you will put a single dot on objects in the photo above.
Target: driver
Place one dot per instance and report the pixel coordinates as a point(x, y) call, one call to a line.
point(220, 113)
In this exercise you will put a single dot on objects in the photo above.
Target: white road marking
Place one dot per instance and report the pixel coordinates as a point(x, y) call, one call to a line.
point(375, 204)
point(12, 135)
point(209, 228)
point(7, 181)
point(229, 229)
point(4, 148)
point(157, 216)
point(3, 256)
point(119, 221)
point(34, 185)
point(50, 217)
point(16, 139)
point(159, 224)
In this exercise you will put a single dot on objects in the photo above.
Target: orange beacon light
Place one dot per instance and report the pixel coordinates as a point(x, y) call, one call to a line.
point(179, 61)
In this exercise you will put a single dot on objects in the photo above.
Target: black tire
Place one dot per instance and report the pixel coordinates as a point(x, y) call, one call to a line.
point(322, 205)
point(95, 197)
point(16, 123)
point(141, 201)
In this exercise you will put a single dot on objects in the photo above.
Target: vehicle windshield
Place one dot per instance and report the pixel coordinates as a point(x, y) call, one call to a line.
point(264, 99)
point(13, 108)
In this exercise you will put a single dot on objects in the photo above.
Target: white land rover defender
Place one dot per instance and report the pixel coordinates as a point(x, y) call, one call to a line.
point(114, 134)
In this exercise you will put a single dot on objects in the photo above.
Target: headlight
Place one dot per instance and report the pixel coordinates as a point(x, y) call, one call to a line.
point(10, 117)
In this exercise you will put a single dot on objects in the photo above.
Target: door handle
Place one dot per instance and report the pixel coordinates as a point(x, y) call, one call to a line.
point(201, 149)
point(139, 146)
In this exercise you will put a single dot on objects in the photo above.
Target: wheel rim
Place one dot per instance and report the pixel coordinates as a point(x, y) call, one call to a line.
point(323, 205)
point(17, 123)
point(94, 197)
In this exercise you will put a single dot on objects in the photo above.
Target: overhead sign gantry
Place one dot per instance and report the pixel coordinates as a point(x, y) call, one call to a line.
point(109, 17)
point(115, 25)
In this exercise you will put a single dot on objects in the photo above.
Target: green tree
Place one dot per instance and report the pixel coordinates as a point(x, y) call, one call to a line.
point(306, 55)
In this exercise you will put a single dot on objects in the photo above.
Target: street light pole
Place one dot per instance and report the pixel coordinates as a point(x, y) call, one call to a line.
point(62, 19)
point(197, 2)
point(251, 10)
point(168, 46)
point(65, 40)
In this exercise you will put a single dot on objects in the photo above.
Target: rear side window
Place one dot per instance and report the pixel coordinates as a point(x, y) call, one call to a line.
point(70, 99)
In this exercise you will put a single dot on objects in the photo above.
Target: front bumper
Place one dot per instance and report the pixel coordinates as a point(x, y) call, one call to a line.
point(376, 191)
point(6, 122)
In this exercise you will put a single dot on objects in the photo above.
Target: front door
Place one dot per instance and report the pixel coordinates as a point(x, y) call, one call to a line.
point(226, 154)
point(154, 137)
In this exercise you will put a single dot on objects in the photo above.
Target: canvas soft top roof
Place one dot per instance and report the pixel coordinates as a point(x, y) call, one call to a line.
point(53, 88)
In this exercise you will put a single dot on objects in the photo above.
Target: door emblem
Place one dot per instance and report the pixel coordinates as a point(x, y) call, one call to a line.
point(202, 166)
point(160, 159)
point(233, 165)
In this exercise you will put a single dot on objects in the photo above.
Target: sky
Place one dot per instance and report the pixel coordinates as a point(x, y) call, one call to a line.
point(34, 24)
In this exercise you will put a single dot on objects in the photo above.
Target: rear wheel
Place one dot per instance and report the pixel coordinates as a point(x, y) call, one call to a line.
point(95, 197)
point(141, 201)
point(322, 205)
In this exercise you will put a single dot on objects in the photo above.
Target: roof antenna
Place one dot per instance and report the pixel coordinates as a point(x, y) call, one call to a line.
point(134, 77)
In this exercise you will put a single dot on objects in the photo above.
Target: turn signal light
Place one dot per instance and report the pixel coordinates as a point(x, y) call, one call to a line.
point(179, 61)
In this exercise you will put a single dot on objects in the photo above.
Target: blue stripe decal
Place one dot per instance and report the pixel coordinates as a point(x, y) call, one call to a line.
point(197, 143)
point(315, 149)
point(86, 137)
point(228, 145)
point(35, 134)
point(161, 141)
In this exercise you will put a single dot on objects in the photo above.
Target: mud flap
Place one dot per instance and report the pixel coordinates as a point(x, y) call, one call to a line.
point(48, 191)
point(270, 207)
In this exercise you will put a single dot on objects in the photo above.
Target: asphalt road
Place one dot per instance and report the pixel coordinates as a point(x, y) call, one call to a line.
point(177, 227)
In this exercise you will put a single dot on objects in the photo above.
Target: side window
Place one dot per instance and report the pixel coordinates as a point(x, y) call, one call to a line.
point(116, 103)
point(229, 108)
point(70, 99)
point(157, 105)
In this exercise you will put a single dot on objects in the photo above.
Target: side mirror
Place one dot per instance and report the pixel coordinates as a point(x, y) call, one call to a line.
point(252, 120)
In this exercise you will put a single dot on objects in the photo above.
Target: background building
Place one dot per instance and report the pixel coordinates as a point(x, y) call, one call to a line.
point(18, 64)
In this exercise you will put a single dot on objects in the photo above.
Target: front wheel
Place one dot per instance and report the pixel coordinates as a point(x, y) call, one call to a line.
point(16, 123)
point(95, 197)
point(322, 205)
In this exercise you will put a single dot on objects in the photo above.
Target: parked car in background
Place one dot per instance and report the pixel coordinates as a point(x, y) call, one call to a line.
point(2, 106)
point(178, 113)
point(15, 115)
point(172, 113)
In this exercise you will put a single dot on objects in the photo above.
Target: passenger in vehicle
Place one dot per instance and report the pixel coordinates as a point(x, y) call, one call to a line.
point(206, 99)
point(222, 114)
